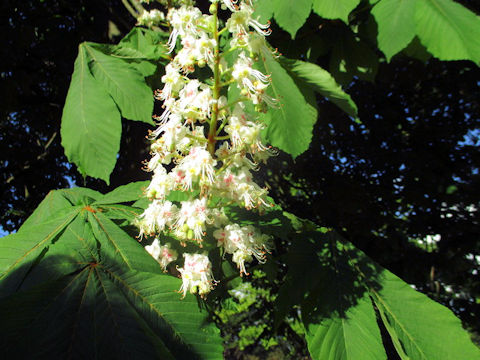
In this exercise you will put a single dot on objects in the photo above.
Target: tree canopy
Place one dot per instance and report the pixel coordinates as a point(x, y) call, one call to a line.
point(378, 132)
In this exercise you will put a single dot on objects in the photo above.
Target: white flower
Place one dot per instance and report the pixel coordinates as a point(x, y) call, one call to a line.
point(183, 21)
point(198, 165)
point(173, 81)
point(162, 253)
point(252, 82)
point(161, 184)
point(193, 217)
point(244, 243)
point(240, 21)
point(150, 18)
point(230, 4)
point(196, 274)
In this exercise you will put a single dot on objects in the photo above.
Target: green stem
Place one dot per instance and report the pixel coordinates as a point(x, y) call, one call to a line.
point(216, 87)
point(222, 31)
point(221, 127)
point(222, 137)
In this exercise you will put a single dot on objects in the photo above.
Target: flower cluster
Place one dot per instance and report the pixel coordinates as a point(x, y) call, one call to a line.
point(150, 18)
point(207, 145)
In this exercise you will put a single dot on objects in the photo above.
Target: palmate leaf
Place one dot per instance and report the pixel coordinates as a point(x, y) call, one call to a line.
point(291, 14)
point(396, 25)
point(91, 126)
point(123, 82)
point(100, 312)
point(126, 193)
point(80, 287)
point(107, 81)
point(19, 251)
point(448, 30)
point(337, 311)
point(290, 122)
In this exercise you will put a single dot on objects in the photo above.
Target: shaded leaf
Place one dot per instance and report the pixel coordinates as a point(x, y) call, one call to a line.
point(119, 245)
point(353, 335)
point(68, 292)
point(19, 251)
point(352, 57)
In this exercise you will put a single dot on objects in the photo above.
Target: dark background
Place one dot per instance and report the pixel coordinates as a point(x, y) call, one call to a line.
point(408, 170)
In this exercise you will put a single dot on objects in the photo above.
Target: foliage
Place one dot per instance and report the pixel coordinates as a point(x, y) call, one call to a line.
point(73, 268)
point(74, 265)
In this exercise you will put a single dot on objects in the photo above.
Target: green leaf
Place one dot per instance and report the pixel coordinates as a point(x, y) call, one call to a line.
point(126, 193)
point(123, 82)
point(396, 25)
point(58, 201)
point(323, 82)
point(291, 14)
point(334, 284)
point(151, 44)
point(119, 245)
point(153, 295)
point(20, 251)
point(135, 58)
point(50, 205)
point(100, 312)
point(448, 30)
point(263, 10)
point(420, 328)
point(334, 9)
point(272, 222)
point(290, 123)
point(349, 336)
point(91, 125)
point(68, 281)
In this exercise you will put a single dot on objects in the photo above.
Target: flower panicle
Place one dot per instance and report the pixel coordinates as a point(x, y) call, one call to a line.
point(206, 145)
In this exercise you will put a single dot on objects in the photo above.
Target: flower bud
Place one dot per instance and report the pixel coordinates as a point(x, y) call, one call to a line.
point(213, 9)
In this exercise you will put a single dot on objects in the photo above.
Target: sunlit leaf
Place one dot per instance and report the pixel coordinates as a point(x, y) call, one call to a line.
point(123, 82)
point(334, 9)
point(448, 30)
point(290, 122)
point(396, 25)
point(91, 125)
point(322, 82)
point(291, 14)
